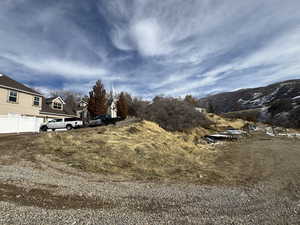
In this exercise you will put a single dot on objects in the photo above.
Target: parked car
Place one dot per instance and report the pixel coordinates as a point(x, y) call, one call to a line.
point(65, 123)
point(103, 120)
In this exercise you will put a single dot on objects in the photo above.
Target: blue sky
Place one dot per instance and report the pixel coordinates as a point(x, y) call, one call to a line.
point(150, 47)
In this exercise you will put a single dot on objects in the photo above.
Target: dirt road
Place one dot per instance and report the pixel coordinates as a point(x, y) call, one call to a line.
point(259, 184)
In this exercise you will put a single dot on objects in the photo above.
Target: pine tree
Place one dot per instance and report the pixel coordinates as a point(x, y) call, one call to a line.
point(98, 100)
point(122, 106)
point(92, 104)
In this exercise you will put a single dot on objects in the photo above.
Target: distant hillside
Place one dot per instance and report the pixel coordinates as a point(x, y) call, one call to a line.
point(278, 103)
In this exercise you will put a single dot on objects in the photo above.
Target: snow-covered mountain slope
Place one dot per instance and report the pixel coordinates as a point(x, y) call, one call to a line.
point(277, 102)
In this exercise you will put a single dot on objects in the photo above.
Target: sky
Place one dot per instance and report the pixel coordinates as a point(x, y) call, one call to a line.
point(150, 47)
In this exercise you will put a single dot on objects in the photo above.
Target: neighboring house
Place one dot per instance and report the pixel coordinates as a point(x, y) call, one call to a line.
point(23, 109)
point(55, 107)
point(83, 113)
point(112, 106)
point(82, 110)
point(16, 98)
point(202, 110)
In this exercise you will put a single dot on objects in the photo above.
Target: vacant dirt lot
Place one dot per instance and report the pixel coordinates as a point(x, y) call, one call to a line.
point(255, 181)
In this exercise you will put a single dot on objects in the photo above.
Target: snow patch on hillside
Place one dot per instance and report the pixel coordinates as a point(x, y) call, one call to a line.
point(257, 94)
point(258, 99)
point(297, 97)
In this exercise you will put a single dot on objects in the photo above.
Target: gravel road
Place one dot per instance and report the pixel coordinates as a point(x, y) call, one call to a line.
point(47, 192)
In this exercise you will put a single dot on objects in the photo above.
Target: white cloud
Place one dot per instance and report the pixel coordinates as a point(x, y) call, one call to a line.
point(45, 91)
point(148, 37)
point(50, 44)
point(152, 46)
point(66, 69)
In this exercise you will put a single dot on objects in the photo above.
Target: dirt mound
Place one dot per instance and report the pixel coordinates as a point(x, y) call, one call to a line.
point(140, 150)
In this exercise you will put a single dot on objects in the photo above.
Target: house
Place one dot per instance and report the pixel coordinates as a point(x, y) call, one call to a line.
point(82, 110)
point(23, 109)
point(55, 107)
point(112, 105)
point(82, 107)
point(16, 98)
point(202, 110)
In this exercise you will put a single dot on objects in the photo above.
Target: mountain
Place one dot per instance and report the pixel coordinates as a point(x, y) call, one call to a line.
point(278, 103)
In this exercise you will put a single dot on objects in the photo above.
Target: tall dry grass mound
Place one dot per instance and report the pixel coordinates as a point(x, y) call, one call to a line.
point(140, 151)
point(222, 123)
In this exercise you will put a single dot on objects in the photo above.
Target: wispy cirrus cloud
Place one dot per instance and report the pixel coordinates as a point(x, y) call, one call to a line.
point(151, 47)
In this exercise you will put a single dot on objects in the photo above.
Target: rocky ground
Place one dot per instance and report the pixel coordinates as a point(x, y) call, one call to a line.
point(264, 188)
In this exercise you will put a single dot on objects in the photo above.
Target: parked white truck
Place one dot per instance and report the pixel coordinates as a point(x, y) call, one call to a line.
point(65, 123)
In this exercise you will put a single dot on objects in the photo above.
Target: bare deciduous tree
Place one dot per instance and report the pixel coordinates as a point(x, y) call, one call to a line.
point(174, 114)
point(191, 100)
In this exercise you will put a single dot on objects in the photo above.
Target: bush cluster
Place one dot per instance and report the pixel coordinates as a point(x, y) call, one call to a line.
point(173, 114)
point(249, 115)
point(282, 105)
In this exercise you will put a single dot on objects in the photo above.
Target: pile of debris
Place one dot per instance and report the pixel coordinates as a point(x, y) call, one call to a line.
point(228, 135)
point(279, 131)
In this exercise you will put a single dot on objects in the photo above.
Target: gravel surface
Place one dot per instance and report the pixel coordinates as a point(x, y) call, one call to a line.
point(135, 203)
point(46, 192)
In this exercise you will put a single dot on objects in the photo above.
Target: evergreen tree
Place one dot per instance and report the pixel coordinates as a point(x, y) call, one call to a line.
point(92, 104)
point(98, 100)
point(122, 106)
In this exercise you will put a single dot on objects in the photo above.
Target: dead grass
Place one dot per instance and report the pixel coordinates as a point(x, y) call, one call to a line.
point(141, 151)
point(222, 123)
point(249, 115)
point(132, 150)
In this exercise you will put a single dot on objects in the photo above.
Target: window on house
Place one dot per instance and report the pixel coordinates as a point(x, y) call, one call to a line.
point(13, 96)
point(36, 101)
point(71, 119)
point(57, 105)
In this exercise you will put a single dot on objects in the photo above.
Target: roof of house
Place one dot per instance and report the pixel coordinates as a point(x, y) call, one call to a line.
point(83, 101)
point(7, 82)
point(111, 100)
point(49, 100)
point(47, 108)
point(82, 107)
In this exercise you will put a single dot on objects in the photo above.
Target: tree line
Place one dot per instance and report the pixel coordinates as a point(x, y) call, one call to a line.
point(173, 114)
point(99, 101)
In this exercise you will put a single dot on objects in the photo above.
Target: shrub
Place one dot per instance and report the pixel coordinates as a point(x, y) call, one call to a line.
point(249, 115)
point(282, 105)
point(191, 100)
point(289, 120)
point(136, 106)
point(173, 114)
point(295, 118)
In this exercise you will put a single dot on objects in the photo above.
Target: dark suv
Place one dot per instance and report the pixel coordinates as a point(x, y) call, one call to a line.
point(103, 120)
